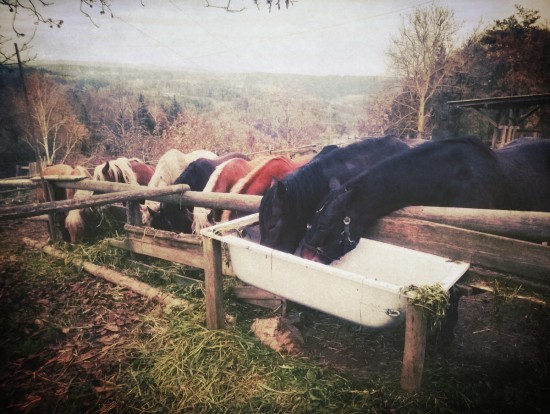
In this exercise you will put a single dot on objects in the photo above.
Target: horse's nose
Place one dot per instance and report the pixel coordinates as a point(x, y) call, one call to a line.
point(310, 254)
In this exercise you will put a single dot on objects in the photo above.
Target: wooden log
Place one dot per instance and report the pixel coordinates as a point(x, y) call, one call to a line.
point(524, 225)
point(35, 209)
point(213, 283)
point(18, 182)
point(222, 201)
point(532, 261)
point(114, 277)
point(415, 348)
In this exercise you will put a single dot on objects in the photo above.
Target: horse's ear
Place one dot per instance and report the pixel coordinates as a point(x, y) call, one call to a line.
point(334, 183)
point(152, 212)
point(279, 187)
point(274, 181)
point(105, 169)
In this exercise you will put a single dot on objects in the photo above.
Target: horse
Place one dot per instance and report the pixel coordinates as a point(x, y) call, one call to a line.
point(461, 172)
point(173, 163)
point(224, 177)
point(288, 206)
point(59, 193)
point(262, 177)
point(144, 172)
point(62, 193)
point(168, 169)
point(171, 217)
point(117, 171)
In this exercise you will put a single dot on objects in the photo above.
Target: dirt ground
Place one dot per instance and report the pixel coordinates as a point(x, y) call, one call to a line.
point(501, 347)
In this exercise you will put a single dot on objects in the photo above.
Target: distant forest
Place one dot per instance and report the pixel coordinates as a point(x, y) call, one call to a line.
point(126, 111)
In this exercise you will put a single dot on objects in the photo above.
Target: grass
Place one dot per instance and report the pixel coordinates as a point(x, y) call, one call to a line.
point(169, 363)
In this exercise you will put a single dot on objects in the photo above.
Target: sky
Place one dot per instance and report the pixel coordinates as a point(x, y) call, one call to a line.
point(319, 37)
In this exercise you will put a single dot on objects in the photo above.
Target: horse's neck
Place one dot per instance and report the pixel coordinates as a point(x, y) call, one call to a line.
point(260, 180)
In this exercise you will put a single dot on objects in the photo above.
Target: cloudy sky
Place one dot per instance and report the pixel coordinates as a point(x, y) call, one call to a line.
point(343, 37)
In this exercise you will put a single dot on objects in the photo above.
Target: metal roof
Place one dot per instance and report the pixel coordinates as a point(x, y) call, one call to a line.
point(504, 102)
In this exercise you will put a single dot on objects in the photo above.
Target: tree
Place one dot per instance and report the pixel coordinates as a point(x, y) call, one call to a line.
point(507, 58)
point(420, 56)
point(53, 131)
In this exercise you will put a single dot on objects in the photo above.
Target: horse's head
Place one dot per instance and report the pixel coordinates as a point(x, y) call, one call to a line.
point(278, 227)
point(335, 229)
point(171, 218)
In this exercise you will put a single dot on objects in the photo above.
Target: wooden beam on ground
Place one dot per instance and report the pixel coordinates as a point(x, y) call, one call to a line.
point(529, 260)
point(524, 225)
point(114, 277)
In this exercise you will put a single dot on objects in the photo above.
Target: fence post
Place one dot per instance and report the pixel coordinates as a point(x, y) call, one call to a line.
point(49, 195)
point(415, 348)
point(212, 250)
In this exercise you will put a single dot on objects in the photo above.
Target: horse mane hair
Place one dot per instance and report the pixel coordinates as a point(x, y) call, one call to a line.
point(119, 168)
point(215, 175)
point(245, 182)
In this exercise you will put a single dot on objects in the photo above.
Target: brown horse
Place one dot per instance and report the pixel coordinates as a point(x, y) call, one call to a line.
point(224, 177)
point(262, 177)
point(142, 171)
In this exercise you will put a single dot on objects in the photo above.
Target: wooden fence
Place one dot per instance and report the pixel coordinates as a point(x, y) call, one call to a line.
point(505, 241)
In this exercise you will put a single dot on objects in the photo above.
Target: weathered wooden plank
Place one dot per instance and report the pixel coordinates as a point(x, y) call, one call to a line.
point(190, 255)
point(156, 234)
point(213, 281)
point(260, 297)
point(523, 225)
point(529, 260)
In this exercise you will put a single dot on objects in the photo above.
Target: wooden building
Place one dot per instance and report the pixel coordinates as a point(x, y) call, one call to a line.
point(507, 115)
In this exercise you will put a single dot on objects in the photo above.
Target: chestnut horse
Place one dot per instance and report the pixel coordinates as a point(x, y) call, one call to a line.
point(224, 177)
point(262, 177)
point(144, 172)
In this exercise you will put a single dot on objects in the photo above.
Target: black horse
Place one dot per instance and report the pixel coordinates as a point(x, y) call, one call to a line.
point(461, 172)
point(173, 217)
point(287, 207)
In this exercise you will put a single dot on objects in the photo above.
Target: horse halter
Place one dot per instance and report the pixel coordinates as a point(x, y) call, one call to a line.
point(346, 236)
point(345, 240)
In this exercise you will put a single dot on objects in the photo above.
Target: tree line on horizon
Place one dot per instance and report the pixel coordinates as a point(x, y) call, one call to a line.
point(89, 115)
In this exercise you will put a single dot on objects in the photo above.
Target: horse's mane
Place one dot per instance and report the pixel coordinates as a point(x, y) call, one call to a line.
point(119, 168)
point(216, 175)
point(241, 186)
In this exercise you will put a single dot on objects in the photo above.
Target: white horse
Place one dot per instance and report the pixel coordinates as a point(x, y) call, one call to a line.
point(168, 169)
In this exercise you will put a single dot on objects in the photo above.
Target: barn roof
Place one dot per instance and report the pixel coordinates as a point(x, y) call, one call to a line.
point(504, 102)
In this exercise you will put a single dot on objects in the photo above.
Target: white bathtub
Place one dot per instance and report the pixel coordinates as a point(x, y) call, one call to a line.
point(363, 287)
